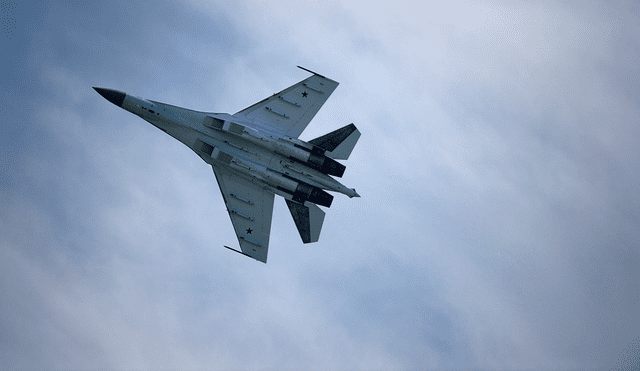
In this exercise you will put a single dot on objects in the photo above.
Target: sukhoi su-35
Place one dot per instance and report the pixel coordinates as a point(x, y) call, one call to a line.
point(256, 154)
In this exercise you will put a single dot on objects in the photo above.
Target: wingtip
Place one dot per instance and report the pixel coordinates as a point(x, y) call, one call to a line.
point(308, 70)
point(240, 252)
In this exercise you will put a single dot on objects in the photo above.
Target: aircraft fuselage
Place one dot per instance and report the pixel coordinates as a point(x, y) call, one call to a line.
point(289, 167)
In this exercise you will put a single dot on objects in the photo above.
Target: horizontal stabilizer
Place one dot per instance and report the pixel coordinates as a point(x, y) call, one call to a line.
point(308, 220)
point(338, 143)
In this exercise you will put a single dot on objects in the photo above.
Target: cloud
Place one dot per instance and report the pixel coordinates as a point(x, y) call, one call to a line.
point(496, 228)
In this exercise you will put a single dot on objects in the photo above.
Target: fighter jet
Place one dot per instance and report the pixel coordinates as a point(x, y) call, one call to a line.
point(256, 154)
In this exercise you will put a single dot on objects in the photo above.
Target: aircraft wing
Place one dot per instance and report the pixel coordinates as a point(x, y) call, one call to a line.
point(250, 208)
point(288, 112)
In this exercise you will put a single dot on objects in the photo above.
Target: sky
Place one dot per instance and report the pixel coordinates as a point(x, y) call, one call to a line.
point(498, 168)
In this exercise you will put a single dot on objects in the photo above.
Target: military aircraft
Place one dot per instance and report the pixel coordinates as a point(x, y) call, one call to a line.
point(256, 154)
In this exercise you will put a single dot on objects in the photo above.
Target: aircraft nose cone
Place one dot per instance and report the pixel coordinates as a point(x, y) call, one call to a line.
point(114, 96)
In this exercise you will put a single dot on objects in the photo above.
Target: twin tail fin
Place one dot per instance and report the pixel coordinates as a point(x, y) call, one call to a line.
point(338, 143)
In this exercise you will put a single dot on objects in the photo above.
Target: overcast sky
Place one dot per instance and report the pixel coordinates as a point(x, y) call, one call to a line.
point(498, 168)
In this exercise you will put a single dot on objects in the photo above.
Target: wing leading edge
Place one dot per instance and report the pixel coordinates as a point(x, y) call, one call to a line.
point(288, 112)
point(250, 209)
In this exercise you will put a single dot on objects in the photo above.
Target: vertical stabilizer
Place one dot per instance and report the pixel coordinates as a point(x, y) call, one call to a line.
point(308, 220)
point(338, 143)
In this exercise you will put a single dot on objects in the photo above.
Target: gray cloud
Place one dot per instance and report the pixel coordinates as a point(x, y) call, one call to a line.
point(497, 168)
